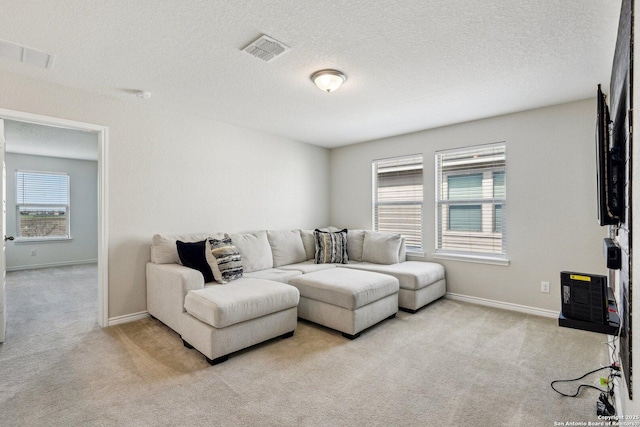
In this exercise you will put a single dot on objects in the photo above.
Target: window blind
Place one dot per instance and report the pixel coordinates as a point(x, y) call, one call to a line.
point(471, 201)
point(398, 198)
point(42, 188)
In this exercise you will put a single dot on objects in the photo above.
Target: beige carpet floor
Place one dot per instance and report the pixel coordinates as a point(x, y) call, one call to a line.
point(451, 364)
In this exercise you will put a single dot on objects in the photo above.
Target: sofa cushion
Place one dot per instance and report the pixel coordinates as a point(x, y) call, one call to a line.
point(225, 260)
point(308, 266)
point(331, 247)
point(286, 247)
point(309, 242)
point(193, 255)
point(275, 274)
point(402, 256)
point(241, 300)
point(254, 249)
point(355, 243)
point(163, 247)
point(381, 248)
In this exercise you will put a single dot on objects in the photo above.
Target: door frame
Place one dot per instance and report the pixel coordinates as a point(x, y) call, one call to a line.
point(103, 219)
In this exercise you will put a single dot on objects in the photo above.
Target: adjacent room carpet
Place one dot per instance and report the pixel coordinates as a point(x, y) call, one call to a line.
point(450, 364)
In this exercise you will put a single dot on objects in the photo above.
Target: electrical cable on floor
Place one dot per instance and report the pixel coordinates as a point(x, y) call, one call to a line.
point(581, 385)
point(603, 405)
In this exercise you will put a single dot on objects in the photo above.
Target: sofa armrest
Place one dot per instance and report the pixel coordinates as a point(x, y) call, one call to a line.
point(167, 285)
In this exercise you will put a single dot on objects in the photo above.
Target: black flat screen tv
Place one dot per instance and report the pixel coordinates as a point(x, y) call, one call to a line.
point(610, 203)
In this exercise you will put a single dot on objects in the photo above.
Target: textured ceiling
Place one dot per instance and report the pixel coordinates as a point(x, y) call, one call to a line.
point(411, 64)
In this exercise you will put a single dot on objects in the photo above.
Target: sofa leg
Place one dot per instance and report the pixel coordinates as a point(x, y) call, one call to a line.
point(392, 316)
point(186, 344)
point(217, 359)
point(349, 336)
point(287, 335)
point(409, 310)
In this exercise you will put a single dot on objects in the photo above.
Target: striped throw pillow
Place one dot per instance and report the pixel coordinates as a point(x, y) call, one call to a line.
point(224, 259)
point(331, 247)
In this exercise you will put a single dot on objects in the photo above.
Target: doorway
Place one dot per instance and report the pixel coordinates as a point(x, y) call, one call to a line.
point(101, 133)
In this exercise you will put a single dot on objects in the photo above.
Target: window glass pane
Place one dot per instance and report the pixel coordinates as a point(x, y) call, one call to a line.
point(471, 200)
point(497, 218)
point(42, 204)
point(498, 185)
point(42, 222)
point(394, 219)
point(397, 198)
point(465, 218)
point(465, 186)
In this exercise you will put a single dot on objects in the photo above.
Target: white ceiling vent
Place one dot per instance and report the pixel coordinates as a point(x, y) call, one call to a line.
point(266, 48)
point(27, 55)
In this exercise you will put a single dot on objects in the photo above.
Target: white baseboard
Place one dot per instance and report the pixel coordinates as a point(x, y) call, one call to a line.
point(504, 305)
point(127, 318)
point(51, 264)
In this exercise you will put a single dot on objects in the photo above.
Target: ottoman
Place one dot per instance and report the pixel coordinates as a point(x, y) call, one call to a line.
point(346, 300)
point(222, 319)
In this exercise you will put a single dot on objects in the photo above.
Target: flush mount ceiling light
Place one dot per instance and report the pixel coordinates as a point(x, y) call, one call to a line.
point(328, 80)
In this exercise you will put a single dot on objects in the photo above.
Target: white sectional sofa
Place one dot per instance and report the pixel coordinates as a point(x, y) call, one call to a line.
point(361, 278)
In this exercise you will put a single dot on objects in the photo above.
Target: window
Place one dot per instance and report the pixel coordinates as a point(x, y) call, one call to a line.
point(397, 198)
point(42, 205)
point(471, 202)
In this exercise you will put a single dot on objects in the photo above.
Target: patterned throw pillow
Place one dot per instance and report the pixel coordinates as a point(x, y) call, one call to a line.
point(224, 259)
point(193, 255)
point(331, 247)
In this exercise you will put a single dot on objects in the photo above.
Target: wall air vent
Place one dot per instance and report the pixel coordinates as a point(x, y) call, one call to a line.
point(266, 48)
point(27, 55)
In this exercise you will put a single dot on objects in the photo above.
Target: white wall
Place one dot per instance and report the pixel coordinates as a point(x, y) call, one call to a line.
point(83, 176)
point(551, 198)
point(176, 173)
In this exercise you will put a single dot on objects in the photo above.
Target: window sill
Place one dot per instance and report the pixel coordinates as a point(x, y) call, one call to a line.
point(479, 259)
point(22, 241)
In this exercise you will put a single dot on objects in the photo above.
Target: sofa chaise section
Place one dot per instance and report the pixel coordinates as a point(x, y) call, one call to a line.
point(222, 319)
point(420, 282)
point(213, 318)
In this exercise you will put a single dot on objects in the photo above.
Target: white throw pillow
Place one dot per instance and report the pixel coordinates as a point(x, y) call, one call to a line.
point(381, 248)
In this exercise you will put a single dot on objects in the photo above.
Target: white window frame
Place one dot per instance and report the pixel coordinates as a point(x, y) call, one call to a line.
point(414, 233)
point(486, 159)
point(64, 203)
